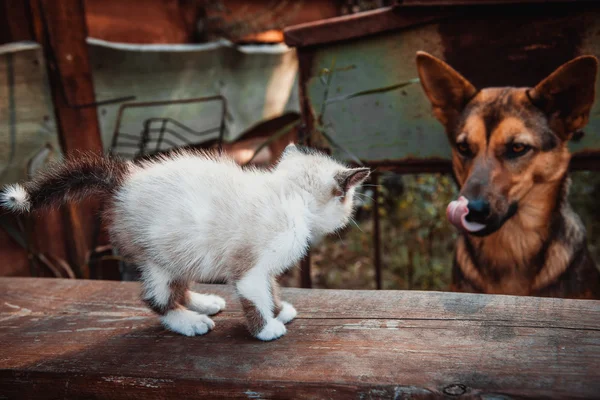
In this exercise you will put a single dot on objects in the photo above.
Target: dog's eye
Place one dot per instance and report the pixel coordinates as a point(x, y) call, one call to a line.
point(518, 147)
point(517, 150)
point(464, 149)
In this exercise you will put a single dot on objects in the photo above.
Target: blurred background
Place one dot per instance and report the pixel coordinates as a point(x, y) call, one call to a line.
point(140, 77)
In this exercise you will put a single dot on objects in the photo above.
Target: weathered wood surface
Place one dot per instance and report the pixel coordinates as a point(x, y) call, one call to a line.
point(358, 25)
point(61, 29)
point(176, 21)
point(94, 339)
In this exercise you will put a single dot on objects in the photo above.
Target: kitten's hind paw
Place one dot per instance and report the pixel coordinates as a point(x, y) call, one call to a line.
point(209, 304)
point(287, 313)
point(274, 329)
point(187, 322)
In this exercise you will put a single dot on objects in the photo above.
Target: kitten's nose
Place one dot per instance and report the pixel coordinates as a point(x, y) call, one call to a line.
point(479, 211)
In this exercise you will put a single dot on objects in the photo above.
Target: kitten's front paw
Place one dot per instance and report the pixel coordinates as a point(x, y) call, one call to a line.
point(187, 322)
point(209, 304)
point(287, 313)
point(274, 329)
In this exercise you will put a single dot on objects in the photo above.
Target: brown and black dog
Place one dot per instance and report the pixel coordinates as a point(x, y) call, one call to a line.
point(510, 158)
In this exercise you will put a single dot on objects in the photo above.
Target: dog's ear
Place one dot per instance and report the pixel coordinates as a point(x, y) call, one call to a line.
point(447, 90)
point(566, 96)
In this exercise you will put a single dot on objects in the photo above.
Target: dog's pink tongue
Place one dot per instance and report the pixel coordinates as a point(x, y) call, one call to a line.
point(457, 211)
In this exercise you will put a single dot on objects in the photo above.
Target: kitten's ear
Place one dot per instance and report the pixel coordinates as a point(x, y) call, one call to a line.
point(352, 177)
point(567, 95)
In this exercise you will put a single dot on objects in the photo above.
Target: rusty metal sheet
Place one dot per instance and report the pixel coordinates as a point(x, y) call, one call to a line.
point(258, 81)
point(27, 124)
point(489, 48)
point(379, 127)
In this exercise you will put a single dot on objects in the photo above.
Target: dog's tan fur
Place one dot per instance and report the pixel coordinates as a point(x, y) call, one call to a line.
point(510, 148)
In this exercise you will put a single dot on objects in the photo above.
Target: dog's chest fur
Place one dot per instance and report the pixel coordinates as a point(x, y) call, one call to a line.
point(538, 252)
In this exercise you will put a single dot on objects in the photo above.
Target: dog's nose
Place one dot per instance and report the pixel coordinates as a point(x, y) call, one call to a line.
point(479, 211)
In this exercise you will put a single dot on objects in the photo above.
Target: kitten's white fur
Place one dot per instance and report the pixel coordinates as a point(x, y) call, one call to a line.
point(14, 198)
point(208, 304)
point(196, 217)
point(187, 322)
point(287, 313)
point(273, 330)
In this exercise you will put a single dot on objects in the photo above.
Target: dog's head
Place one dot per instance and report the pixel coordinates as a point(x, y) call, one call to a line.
point(507, 142)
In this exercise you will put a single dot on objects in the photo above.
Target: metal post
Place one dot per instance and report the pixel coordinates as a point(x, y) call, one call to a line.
point(376, 232)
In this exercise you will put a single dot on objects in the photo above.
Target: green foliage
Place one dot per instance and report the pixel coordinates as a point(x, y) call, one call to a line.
point(417, 241)
point(585, 200)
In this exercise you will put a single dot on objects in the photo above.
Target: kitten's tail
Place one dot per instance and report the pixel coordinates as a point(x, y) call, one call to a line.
point(73, 180)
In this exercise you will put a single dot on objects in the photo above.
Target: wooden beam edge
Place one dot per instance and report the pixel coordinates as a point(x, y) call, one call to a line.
point(407, 14)
point(359, 25)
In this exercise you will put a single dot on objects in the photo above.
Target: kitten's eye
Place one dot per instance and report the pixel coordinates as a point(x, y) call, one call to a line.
point(464, 149)
point(336, 192)
point(515, 150)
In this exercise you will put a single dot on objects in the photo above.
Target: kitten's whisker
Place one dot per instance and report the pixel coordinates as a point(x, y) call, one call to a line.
point(355, 223)
point(365, 195)
point(340, 236)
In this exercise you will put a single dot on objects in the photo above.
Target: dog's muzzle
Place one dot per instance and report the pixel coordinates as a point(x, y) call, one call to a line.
point(480, 223)
point(457, 212)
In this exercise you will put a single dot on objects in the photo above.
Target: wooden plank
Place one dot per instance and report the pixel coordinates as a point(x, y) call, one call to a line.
point(263, 20)
point(14, 21)
point(175, 21)
point(156, 21)
point(94, 339)
point(358, 25)
point(14, 258)
point(60, 27)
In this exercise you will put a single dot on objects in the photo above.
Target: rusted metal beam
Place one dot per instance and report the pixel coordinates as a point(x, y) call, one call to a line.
point(359, 25)
point(304, 137)
point(407, 14)
point(60, 27)
point(430, 3)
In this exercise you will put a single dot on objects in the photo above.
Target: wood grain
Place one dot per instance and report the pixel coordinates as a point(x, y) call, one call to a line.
point(60, 27)
point(95, 339)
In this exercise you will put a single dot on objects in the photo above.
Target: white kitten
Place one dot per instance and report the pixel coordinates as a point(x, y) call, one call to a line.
point(199, 217)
